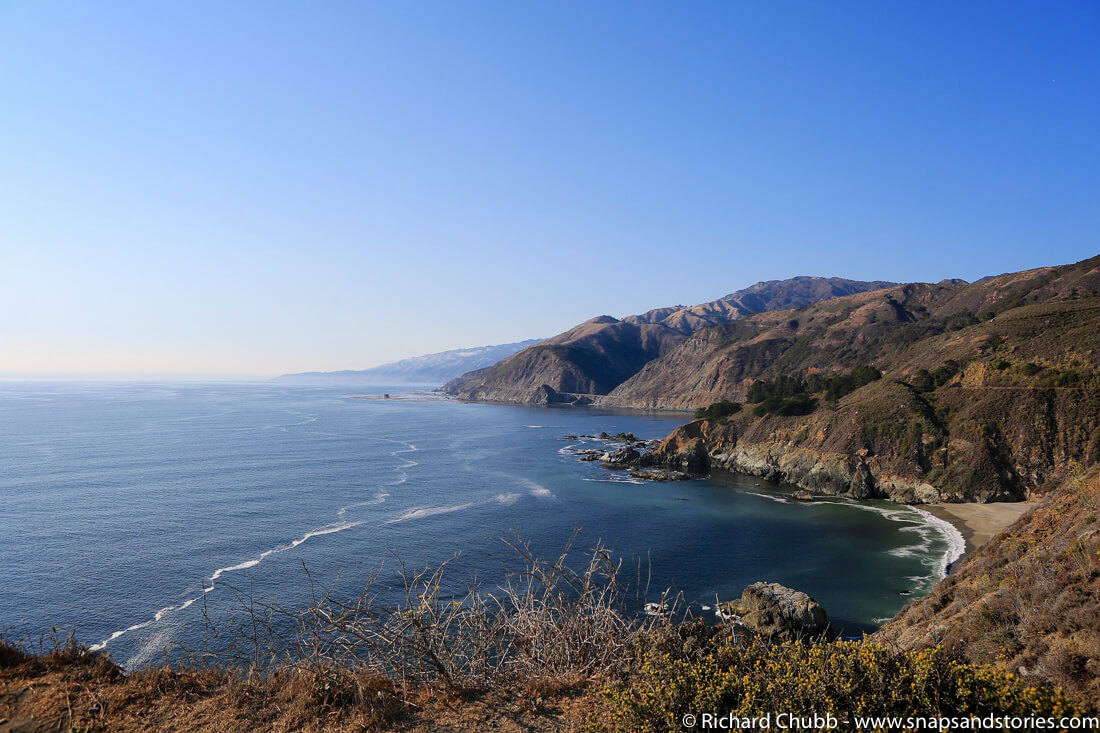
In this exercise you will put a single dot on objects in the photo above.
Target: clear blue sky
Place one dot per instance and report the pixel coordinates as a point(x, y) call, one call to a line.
point(229, 188)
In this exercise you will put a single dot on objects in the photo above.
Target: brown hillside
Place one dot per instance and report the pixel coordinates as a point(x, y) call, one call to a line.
point(904, 327)
point(1029, 600)
point(599, 354)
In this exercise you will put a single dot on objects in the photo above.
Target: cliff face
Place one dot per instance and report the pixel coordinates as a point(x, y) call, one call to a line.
point(1027, 600)
point(887, 441)
point(594, 357)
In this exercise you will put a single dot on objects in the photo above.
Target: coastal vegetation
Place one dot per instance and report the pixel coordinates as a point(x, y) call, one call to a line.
point(553, 649)
point(678, 674)
point(833, 387)
point(718, 410)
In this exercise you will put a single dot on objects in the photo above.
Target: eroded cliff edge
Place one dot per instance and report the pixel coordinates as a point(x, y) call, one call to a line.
point(889, 441)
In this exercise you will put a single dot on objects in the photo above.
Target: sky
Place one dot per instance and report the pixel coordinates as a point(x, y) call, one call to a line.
point(218, 189)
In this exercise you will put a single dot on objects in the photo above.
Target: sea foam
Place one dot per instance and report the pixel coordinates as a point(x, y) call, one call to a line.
point(428, 511)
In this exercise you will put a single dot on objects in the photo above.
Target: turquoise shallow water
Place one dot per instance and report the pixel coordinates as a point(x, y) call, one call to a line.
point(119, 504)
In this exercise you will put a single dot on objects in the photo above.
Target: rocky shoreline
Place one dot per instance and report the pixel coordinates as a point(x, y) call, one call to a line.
point(625, 452)
point(686, 454)
point(815, 473)
point(707, 445)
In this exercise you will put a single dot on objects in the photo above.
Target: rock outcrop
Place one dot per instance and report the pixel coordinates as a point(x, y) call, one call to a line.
point(779, 613)
point(623, 457)
point(883, 442)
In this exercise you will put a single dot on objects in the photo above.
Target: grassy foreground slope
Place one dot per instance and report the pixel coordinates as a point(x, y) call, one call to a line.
point(1028, 601)
point(557, 649)
point(664, 672)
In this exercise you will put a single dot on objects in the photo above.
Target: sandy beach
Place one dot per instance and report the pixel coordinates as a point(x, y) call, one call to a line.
point(980, 523)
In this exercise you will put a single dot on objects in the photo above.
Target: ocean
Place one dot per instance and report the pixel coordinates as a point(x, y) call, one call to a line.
point(128, 512)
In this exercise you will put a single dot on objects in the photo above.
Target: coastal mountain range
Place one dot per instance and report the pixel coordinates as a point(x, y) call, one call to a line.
point(595, 357)
point(430, 369)
point(982, 392)
point(918, 392)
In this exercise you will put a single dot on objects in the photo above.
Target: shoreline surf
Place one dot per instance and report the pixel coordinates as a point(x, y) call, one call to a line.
point(978, 523)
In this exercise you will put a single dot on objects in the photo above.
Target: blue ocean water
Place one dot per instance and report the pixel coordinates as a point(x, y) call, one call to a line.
point(121, 503)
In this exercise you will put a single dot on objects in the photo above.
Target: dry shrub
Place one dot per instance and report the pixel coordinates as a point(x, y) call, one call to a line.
point(553, 626)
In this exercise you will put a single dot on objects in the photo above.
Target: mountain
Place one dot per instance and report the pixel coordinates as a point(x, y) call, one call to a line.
point(917, 393)
point(428, 369)
point(596, 356)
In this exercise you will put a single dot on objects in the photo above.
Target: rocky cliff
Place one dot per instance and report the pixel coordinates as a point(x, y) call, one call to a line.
point(994, 444)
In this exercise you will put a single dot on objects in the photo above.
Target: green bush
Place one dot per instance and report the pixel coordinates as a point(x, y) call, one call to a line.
point(718, 410)
point(839, 385)
point(1066, 379)
point(844, 384)
point(781, 386)
point(923, 381)
point(799, 404)
point(946, 371)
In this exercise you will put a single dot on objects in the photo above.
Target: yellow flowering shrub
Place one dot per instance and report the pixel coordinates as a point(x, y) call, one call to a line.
point(843, 679)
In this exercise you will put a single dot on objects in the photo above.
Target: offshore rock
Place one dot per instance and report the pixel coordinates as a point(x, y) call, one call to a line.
point(780, 613)
point(623, 457)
